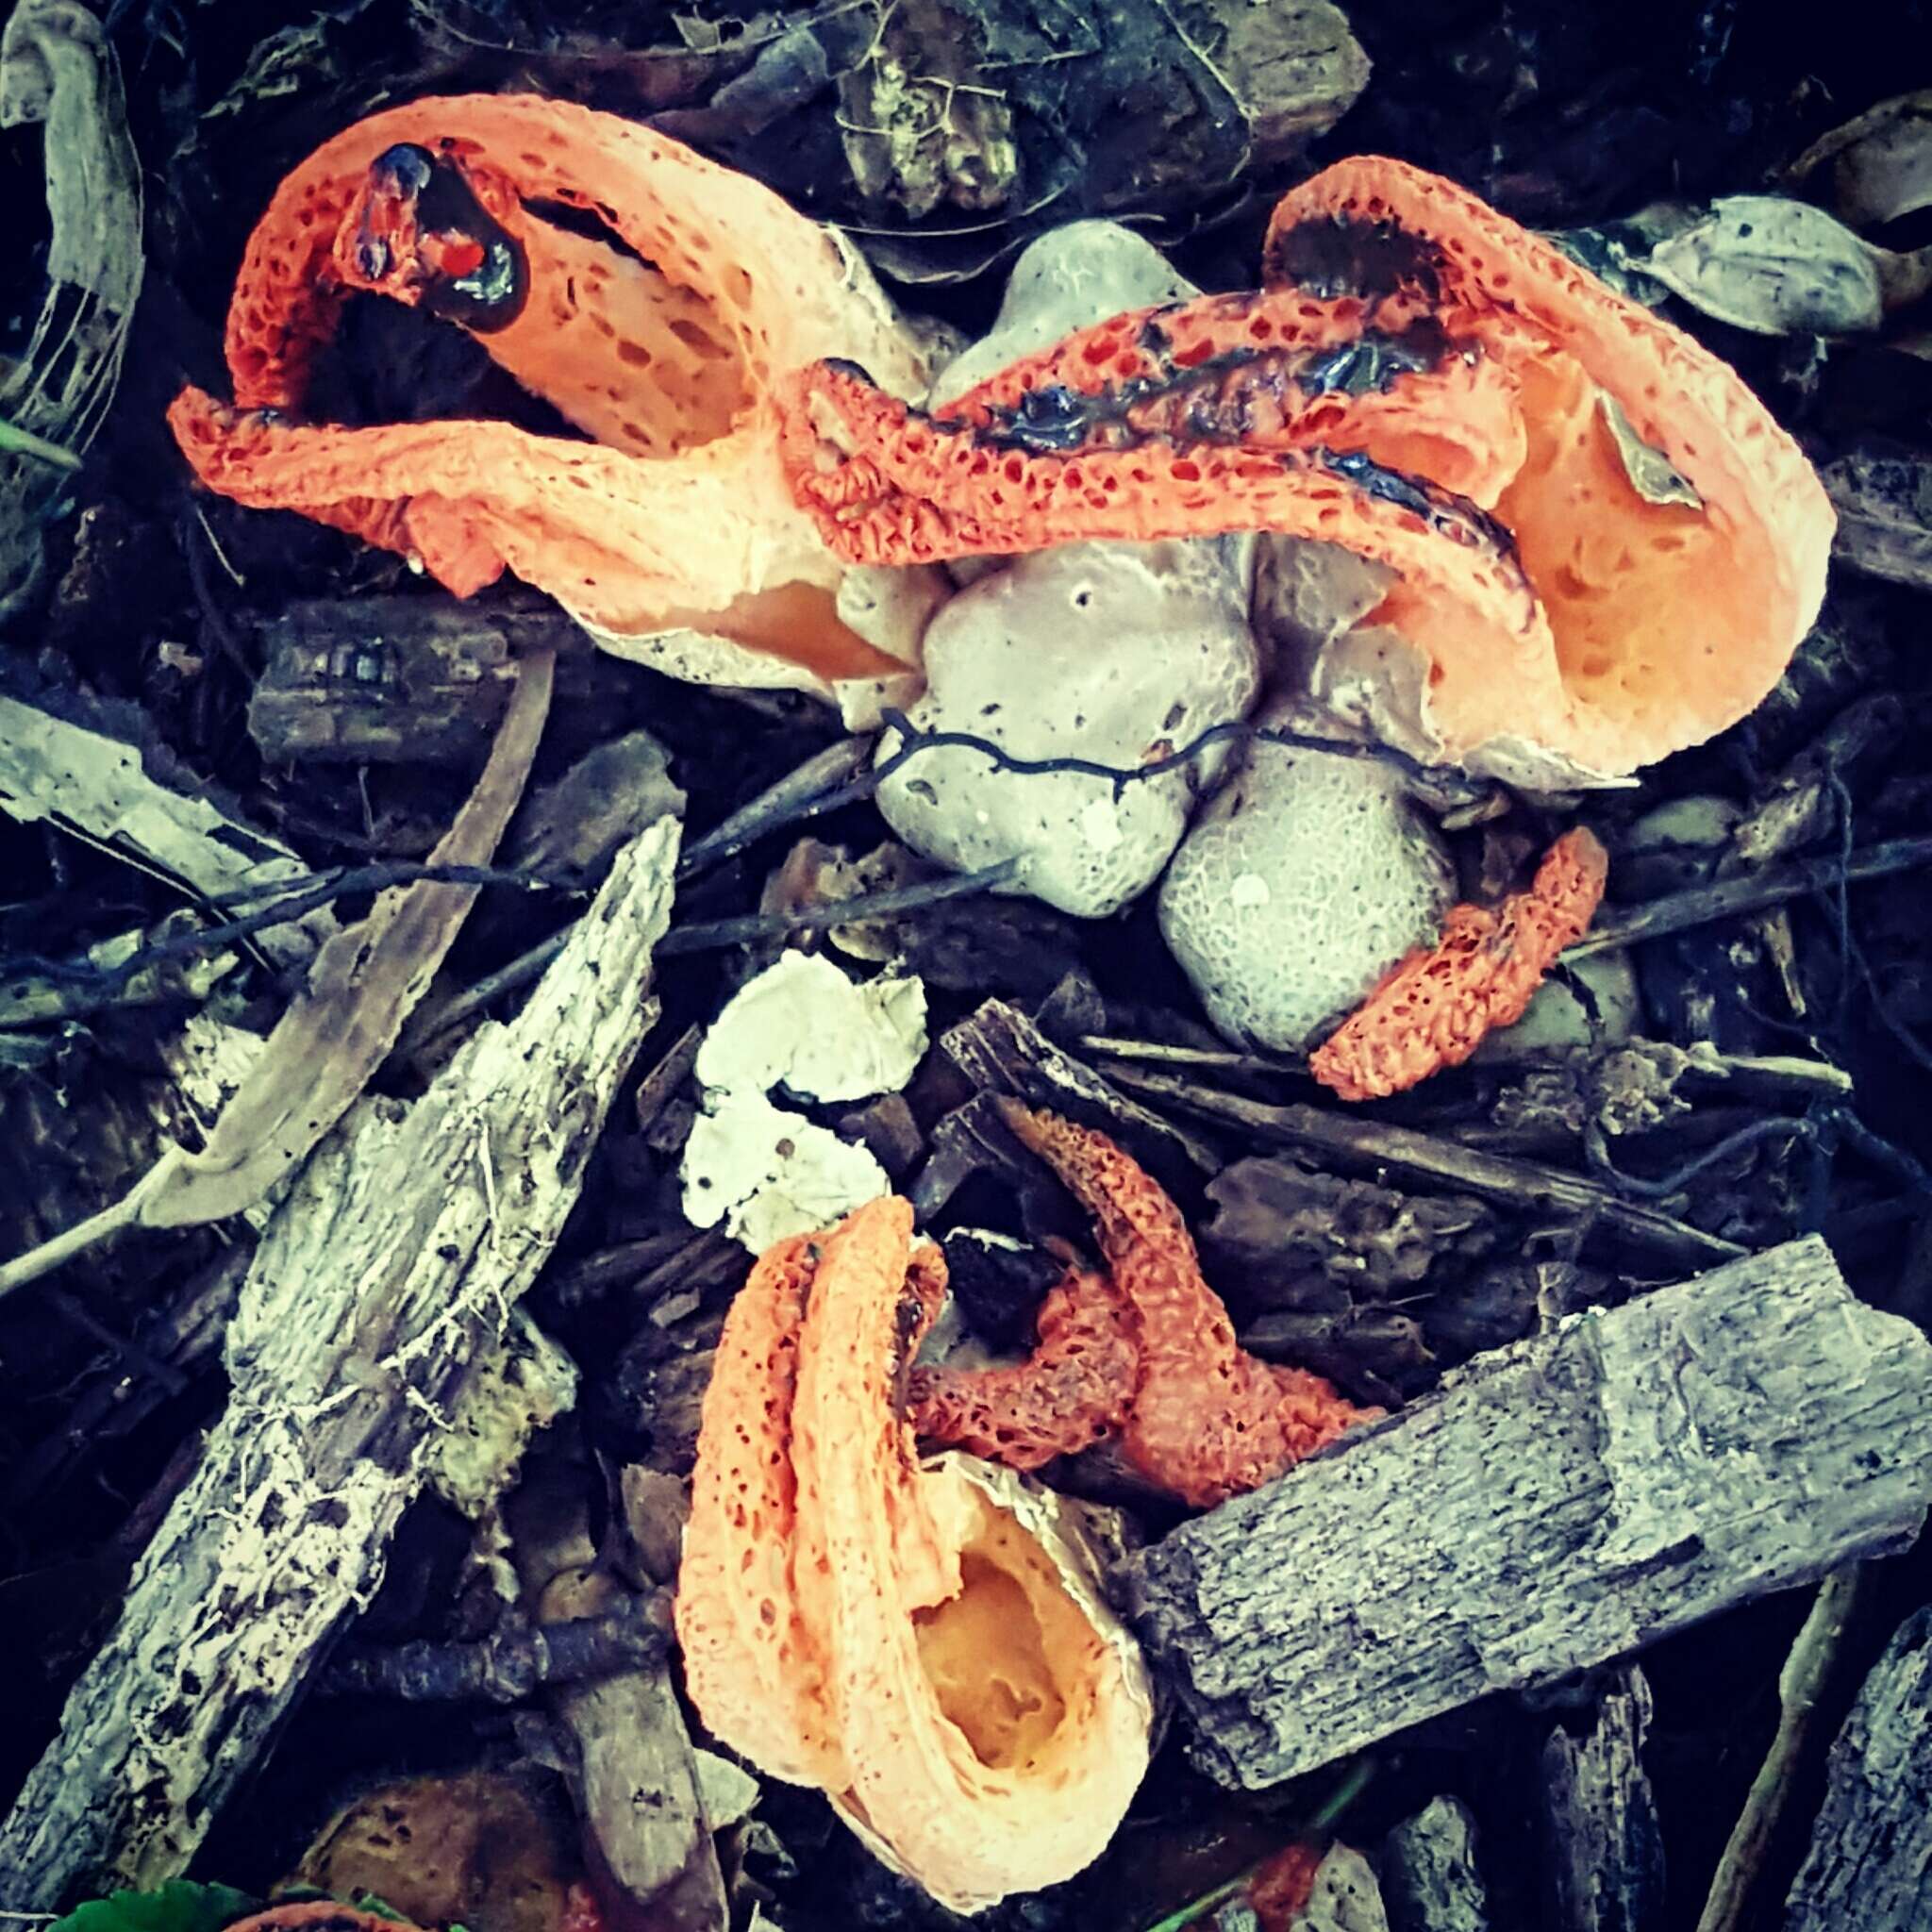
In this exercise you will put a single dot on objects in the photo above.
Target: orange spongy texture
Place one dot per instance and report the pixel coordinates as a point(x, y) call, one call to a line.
point(1280, 1888)
point(1426, 383)
point(1433, 1010)
point(1205, 1419)
point(1072, 1393)
point(661, 333)
point(855, 1619)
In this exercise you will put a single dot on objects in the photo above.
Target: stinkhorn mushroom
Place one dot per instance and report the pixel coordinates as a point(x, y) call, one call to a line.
point(1198, 1416)
point(1433, 1010)
point(657, 312)
point(1433, 387)
point(927, 1642)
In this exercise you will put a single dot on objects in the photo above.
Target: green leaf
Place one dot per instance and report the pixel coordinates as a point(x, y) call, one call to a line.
point(177, 1906)
point(377, 1907)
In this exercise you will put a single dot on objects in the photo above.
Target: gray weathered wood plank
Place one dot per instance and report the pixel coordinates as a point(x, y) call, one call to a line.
point(1560, 1502)
point(389, 1271)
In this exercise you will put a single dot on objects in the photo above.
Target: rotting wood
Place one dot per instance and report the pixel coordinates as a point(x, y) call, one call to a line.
point(999, 1050)
point(1871, 1857)
point(627, 1751)
point(334, 1033)
point(1563, 1502)
point(1377, 1144)
point(1430, 1882)
point(391, 1268)
point(79, 765)
point(392, 679)
point(1603, 1853)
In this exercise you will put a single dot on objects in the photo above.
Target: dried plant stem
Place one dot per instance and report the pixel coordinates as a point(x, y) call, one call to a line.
point(1494, 1176)
point(1769, 885)
point(1800, 1684)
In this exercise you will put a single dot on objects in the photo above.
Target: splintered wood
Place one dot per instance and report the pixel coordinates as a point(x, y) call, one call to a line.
point(385, 1280)
point(1871, 1859)
point(1560, 1503)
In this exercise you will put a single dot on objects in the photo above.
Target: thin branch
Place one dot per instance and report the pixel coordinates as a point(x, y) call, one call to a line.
point(758, 926)
point(916, 741)
point(510, 1665)
point(1528, 1186)
point(102, 979)
point(1725, 898)
point(1803, 1680)
point(1778, 1128)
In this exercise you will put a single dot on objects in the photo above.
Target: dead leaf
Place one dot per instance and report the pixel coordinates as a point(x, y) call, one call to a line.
point(337, 1031)
point(1884, 506)
point(489, 1849)
point(1773, 266)
point(57, 70)
point(1881, 161)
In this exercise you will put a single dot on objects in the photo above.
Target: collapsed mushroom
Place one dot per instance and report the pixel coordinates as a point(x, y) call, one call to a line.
point(928, 1642)
point(656, 311)
point(1146, 1348)
point(1430, 385)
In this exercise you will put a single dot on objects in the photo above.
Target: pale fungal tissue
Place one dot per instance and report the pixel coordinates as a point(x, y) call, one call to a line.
point(1303, 881)
point(1109, 652)
point(1113, 653)
point(802, 1025)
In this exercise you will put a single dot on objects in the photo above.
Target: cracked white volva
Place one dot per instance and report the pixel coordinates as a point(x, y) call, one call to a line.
point(805, 1029)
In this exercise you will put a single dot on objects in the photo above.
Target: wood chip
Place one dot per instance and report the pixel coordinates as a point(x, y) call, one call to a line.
point(1560, 1503)
point(1871, 1859)
point(387, 1275)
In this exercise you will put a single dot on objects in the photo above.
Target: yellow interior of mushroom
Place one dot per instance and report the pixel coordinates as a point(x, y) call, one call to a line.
point(1011, 1657)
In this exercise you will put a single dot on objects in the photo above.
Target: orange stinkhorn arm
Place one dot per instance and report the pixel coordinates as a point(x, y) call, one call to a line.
point(918, 1639)
point(1428, 384)
point(319, 1915)
point(1205, 1419)
point(665, 344)
point(1432, 1010)
point(1072, 1392)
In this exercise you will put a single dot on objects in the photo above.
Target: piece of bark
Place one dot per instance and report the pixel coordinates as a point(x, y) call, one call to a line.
point(1603, 1853)
point(639, 1779)
point(388, 1271)
point(1871, 1857)
point(1430, 1882)
point(1001, 1051)
point(626, 1751)
point(1560, 1503)
point(400, 680)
